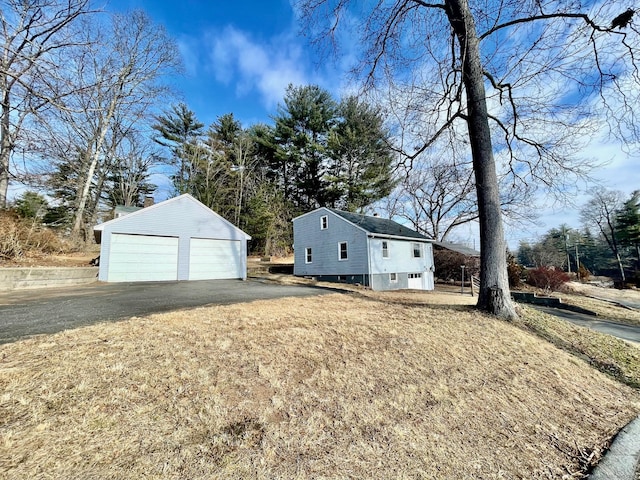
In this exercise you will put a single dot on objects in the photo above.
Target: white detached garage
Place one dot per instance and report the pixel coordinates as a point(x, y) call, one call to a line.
point(178, 239)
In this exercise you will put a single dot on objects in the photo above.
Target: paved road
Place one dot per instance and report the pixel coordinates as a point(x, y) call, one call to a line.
point(32, 312)
point(626, 332)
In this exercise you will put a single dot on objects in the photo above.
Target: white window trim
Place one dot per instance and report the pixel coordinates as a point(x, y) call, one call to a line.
point(413, 250)
point(393, 277)
point(385, 250)
point(340, 259)
point(308, 252)
point(324, 222)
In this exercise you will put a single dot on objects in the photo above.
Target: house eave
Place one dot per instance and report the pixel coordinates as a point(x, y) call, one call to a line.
point(397, 237)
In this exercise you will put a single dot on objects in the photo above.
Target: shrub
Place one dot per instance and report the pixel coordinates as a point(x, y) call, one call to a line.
point(583, 273)
point(514, 272)
point(547, 278)
point(20, 237)
point(448, 263)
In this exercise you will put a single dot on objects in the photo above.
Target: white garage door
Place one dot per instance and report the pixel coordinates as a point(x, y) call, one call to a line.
point(215, 259)
point(415, 281)
point(140, 258)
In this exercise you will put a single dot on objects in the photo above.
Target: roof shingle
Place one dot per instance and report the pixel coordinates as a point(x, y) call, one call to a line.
point(379, 226)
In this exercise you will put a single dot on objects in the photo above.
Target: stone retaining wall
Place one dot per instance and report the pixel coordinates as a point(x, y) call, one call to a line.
point(526, 297)
point(41, 277)
point(533, 298)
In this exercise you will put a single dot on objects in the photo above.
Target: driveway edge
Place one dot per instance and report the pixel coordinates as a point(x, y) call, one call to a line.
point(621, 460)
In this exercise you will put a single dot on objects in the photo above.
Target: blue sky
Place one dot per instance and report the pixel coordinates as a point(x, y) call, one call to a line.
point(238, 56)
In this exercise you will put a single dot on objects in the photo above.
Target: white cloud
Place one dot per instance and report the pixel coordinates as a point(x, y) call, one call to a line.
point(189, 54)
point(263, 68)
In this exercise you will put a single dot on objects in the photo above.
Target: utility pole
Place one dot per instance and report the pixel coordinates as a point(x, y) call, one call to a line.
point(566, 249)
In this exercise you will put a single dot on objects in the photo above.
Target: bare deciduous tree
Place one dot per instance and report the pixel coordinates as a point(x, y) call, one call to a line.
point(518, 80)
point(34, 38)
point(129, 175)
point(601, 211)
point(120, 73)
point(435, 197)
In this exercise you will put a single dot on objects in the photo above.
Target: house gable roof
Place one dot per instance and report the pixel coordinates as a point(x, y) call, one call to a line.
point(121, 210)
point(379, 226)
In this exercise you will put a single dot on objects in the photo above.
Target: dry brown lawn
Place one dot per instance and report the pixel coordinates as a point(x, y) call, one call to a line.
point(353, 385)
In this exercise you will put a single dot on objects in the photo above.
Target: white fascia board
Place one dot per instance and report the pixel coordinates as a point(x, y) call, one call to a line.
point(397, 237)
point(312, 211)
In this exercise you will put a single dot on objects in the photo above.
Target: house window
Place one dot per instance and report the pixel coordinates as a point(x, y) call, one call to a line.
point(343, 253)
point(393, 277)
point(417, 250)
point(308, 255)
point(324, 222)
point(385, 249)
point(415, 275)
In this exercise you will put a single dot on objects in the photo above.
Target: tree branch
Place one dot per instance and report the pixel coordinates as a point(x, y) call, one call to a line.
point(547, 16)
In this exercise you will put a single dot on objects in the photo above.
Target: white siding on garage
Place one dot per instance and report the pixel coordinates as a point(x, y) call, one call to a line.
point(211, 259)
point(139, 258)
point(182, 218)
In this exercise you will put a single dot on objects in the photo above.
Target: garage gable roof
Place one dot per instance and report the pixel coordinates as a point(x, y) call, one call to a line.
point(182, 215)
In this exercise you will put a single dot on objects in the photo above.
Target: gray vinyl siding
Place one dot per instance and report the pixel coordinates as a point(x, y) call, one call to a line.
point(324, 244)
point(382, 281)
point(182, 217)
point(366, 264)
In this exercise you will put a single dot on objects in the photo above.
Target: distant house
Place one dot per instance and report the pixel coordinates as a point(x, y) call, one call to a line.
point(338, 246)
point(458, 248)
point(450, 257)
point(120, 211)
point(178, 239)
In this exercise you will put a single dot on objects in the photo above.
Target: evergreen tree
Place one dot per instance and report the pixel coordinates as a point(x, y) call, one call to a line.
point(628, 225)
point(216, 177)
point(302, 128)
point(361, 157)
point(180, 131)
point(31, 205)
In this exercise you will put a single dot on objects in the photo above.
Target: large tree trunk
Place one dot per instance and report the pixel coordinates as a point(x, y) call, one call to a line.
point(494, 295)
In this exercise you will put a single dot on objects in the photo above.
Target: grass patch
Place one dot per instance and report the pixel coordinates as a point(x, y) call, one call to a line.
point(611, 355)
point(338, 386)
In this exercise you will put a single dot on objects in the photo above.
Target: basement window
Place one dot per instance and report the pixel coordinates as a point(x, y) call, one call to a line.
point(393, 277)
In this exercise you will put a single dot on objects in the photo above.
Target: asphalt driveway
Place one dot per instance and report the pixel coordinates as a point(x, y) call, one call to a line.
point(32, 312)
point(630, 333)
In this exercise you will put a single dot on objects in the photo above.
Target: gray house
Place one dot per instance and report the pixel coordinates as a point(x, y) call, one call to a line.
point(338, 246)
point(178, 239)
